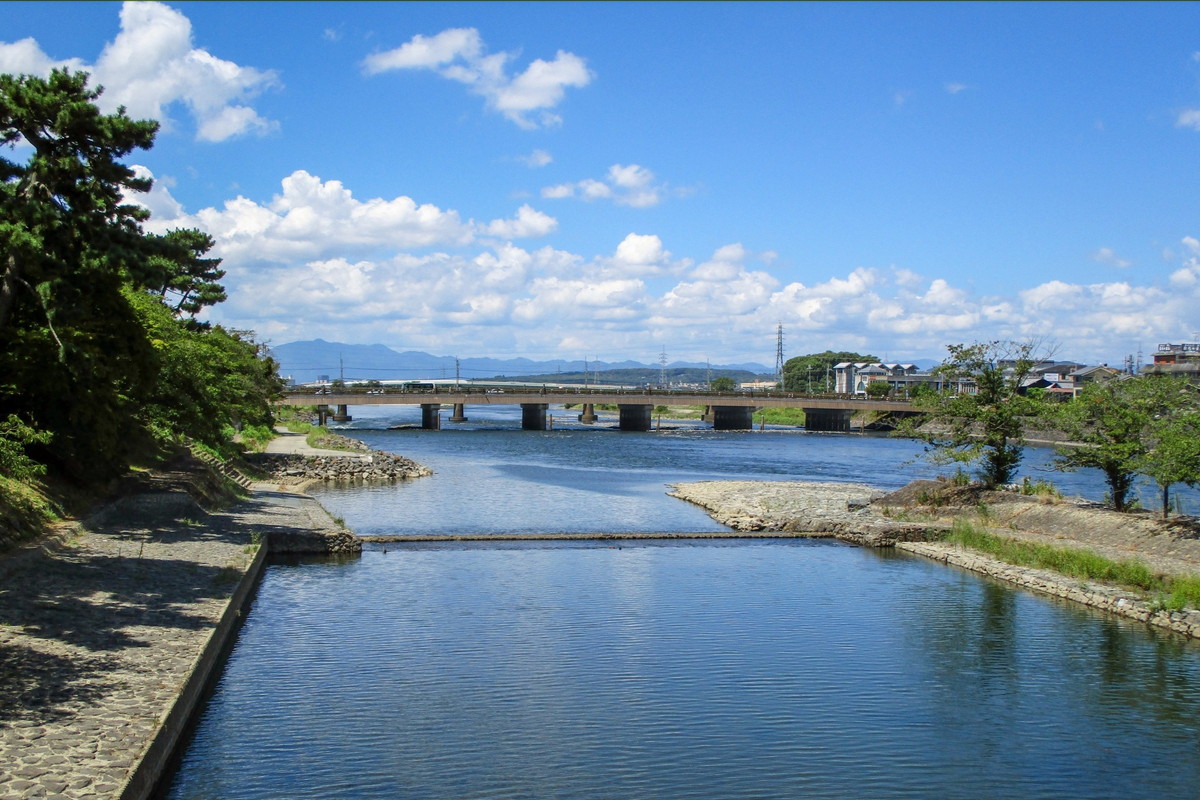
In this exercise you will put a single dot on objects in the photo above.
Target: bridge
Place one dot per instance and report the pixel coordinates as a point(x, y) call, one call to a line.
point(726, 410)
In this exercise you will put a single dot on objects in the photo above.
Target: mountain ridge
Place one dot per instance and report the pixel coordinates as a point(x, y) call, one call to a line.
point(314, 359)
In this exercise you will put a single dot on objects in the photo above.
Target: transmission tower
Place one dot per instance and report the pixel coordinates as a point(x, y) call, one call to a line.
point(779, 353)
point(662, 368)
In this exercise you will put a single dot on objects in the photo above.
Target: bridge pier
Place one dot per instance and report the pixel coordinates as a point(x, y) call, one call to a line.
point(827, 419)
point(533, 416)
point(458, 415)
point(342, 414)
point(431, 416)
point(634, 417)
point(589, 414)
point(733, 418)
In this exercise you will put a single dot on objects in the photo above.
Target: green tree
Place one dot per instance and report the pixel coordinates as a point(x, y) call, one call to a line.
point(814, 372)
point(180, 275)
point(74, 360)
point(64, 209)
point(1172, 449)
point(986, 427)
point(208, 381)
point(723, 383)
point(1107, 424)
point(878, 389)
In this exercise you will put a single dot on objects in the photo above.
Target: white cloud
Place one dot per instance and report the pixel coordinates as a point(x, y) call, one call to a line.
point(624, 184)
point(1107, 256)
point(1188, 118)
point(315, 260)
point(527, 224)
point(313, 219)
point(538, 158)
point(955, 87)
point(641, 250)
point(459, 54)
point(152, 65)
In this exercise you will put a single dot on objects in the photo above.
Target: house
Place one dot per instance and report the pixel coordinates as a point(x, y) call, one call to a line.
point(1176, 359)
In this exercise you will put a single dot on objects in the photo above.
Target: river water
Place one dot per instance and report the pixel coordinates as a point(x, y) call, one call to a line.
point(702, 669)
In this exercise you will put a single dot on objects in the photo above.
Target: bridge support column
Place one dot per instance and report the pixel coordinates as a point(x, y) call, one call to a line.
point(342, 414)
point(458, 415)
point(827, 419)
point(322, 414)
point(635, 417)
point(431, 416)
point(733, 418)
point(533, 416)
point(589, 414)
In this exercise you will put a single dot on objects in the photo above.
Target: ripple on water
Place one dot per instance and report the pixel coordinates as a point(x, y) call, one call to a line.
point(685, 671)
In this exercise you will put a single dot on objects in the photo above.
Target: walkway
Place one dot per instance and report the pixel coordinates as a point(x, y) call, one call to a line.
point(102, 625)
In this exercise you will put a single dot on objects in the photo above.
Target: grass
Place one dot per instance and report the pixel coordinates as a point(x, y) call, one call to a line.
point(1171, 593)
point(781, 416)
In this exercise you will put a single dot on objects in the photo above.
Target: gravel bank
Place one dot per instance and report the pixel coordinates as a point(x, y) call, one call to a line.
point(864, 515)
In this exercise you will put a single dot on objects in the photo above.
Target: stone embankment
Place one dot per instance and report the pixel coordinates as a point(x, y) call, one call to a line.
point(907, 520)
point(111, 627)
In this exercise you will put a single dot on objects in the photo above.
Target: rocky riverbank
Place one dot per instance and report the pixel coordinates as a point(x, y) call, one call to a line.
point(289, 462)
point(914, 518)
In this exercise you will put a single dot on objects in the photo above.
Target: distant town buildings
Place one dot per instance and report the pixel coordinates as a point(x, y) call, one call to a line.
point(1176, 359)
point(903, 380)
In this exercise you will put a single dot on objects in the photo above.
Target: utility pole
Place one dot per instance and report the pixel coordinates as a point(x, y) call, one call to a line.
point(779, 354)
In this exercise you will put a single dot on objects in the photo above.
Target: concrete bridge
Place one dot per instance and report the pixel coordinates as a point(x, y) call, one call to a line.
point(726, 410)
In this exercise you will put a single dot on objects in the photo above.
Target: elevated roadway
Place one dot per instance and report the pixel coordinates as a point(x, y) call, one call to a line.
point(727, 410)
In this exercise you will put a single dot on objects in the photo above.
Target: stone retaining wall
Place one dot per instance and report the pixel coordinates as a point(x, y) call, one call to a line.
point(1108, 598)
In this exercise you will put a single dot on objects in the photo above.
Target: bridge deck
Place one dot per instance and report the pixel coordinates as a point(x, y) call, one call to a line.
point(559, 397)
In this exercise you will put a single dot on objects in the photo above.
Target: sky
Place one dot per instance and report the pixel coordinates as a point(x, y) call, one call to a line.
point(625, 180)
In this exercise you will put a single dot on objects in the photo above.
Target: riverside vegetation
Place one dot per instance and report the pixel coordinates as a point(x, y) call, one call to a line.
point(104, 366)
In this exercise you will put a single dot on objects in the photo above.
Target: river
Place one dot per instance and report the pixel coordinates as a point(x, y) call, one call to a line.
point(701, 669)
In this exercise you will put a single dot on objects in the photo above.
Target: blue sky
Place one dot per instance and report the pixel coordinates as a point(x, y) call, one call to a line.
point(616, 180)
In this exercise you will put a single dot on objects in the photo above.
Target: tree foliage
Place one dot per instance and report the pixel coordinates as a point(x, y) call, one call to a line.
point(1172, 448)
point(1105, 424)
point(1145, 425)
point(99, 353)
point(985, 428)
point(724, 383)
point(814, 372)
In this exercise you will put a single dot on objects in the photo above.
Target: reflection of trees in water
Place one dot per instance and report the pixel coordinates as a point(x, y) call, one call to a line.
point(1014, 676)
point(1154, 671)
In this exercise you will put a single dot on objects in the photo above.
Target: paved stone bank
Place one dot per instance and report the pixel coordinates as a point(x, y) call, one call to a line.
point(102, 626)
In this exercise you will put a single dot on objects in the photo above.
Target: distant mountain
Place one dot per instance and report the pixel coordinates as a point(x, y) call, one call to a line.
point(311, 360)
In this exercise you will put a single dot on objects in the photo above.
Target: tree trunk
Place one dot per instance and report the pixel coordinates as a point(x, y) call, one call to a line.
point(8, 288)
point(1166, 500)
